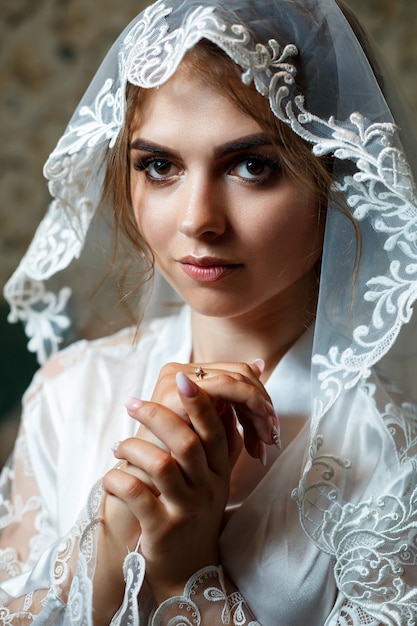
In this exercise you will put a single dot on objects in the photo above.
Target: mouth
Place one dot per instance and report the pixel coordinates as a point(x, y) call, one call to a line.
point(207, 269)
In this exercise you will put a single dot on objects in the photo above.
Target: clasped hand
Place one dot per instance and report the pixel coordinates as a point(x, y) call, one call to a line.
point(176, 471)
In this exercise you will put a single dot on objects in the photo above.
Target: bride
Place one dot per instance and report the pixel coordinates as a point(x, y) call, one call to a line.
point(249, 458)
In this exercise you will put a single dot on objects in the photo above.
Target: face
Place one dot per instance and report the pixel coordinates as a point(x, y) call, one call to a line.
point(229, 230)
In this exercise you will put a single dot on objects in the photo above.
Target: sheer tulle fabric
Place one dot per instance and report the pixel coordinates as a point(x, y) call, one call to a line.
point(352, 478)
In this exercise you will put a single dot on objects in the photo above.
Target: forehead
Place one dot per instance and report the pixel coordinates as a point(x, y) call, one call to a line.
point(187, 106)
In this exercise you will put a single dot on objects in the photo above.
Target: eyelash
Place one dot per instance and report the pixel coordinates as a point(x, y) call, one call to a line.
point(143, 166)
point(273, 164)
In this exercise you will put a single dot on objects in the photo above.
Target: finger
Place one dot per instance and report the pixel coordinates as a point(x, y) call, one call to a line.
point(177, 436)
point(250, 436)
point(206, 422)
point(235, 389)
point(234, 438)
point(154, 467)
point(137, 496)
point(258, 367)
point(166, 392)
point(129, 466)
point(201, 372)
point(250, 371)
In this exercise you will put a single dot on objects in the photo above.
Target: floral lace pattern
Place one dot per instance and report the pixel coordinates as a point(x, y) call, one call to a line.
point(59, 239)
point(70, 565)
point(134, 573)
point(77, 547)
point(205, 586)
point(382, 188)
point(374, 541)
point(13, 512)
point(352, 615)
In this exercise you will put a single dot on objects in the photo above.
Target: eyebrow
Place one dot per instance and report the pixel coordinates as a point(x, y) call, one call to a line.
point(153, 148)
point(244, 143)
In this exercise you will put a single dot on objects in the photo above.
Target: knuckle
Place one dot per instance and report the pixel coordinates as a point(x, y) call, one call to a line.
point(245, 368)
point(246, 372)
point(215, 439)
point(133, 488)
point(241, 378)
point(166, 386)
point(238, 377)
point(161, 465)
point(109, 479)
point(224, 378)
point(151, 411)
point(168, 369)
point(189, 445)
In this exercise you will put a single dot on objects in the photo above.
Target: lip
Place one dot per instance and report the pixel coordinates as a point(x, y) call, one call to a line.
point(207, 269)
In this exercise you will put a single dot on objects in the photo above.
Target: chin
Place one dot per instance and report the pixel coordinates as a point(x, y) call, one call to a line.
point(217, 307)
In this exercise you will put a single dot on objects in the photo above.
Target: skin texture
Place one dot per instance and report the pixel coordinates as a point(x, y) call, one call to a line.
point(263, 232)
point(239, 241)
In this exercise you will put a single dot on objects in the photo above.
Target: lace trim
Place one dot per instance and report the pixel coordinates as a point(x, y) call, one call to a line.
point(382, 189)
point(80, 596)
point(14, 513)
point(401, 422)
point(205, 586)
point(134, 573)
point(9, 619)
point(353, 615)
point(375, 541)
point(9, 562)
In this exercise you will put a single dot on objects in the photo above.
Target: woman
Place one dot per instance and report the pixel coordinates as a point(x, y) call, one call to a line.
point(249, 152)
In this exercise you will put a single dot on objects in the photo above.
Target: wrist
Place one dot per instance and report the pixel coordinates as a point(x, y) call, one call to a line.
point(173, 583)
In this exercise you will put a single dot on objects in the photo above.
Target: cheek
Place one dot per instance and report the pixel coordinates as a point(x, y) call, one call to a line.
point(291, 229)
point(139, 207)
point(152, 223)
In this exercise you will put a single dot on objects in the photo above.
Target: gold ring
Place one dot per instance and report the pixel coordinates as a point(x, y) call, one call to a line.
point(199, 372)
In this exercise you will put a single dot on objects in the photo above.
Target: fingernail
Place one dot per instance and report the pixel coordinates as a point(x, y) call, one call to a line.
point(132, 404)
point(270, 408)
point(115, 447)
point(262, 453)
point(186, 386)
point(275, 436)
point(260, 364)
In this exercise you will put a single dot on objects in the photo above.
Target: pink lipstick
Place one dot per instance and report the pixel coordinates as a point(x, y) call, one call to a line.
point(207, 269)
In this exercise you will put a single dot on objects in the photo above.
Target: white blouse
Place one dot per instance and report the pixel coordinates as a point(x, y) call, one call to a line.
point(288, 575)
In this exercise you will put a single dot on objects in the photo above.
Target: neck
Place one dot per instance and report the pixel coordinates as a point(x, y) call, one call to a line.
point(267, 332)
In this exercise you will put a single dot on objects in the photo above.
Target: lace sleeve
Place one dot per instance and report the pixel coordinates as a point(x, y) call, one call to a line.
point(208, 599)
point(45, 579)
point(353, 615)
point(40, 573)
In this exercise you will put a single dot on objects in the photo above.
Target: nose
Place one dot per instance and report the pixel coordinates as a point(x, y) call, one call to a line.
point(201, 209)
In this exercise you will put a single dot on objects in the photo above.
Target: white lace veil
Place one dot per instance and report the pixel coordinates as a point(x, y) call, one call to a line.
point(305, 58)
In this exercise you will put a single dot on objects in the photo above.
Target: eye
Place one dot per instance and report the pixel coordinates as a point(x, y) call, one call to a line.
point(255, 169)
point(160, 168)
point(157, 169)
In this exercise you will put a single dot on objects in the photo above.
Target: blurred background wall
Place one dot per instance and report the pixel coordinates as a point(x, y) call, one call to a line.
point(49, 51)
